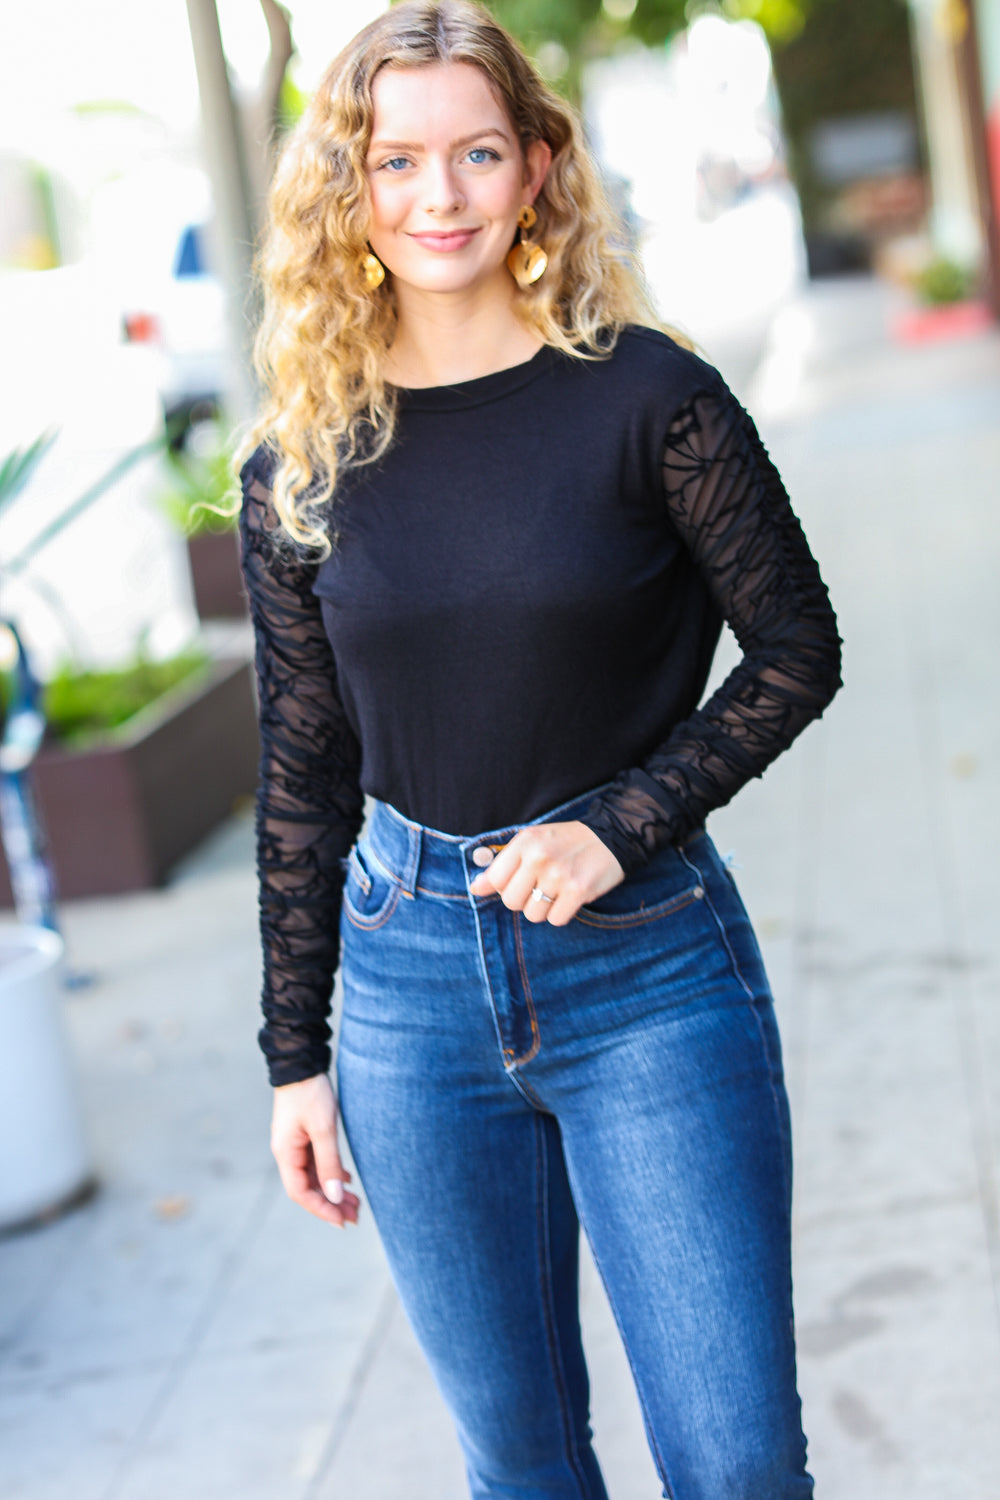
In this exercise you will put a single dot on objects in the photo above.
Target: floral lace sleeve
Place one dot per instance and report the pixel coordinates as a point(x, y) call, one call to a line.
point(309, 801)
point(727, 503)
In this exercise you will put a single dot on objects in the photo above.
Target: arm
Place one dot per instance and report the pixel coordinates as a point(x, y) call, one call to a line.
point(727, 503)
point(309, 810)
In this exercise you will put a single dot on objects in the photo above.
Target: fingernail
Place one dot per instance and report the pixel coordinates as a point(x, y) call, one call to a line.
point(334, 1190)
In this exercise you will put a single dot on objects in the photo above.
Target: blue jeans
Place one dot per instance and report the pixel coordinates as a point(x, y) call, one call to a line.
point(502, 1082)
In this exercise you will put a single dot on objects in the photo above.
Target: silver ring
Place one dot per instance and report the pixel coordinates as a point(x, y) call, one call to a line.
point(538, 894)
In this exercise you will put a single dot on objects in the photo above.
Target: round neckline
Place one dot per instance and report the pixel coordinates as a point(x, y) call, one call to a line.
point(482, 388)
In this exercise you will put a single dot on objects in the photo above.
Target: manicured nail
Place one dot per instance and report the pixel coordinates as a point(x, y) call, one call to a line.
point(334, 1190)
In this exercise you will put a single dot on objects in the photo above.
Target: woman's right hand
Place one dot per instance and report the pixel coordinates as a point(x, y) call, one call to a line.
point(304, 1144)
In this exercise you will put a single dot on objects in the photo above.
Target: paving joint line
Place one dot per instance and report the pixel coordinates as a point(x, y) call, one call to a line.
point(158, 1403)
point(359, 1377)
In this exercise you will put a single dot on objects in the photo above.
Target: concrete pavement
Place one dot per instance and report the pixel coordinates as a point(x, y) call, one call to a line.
point(190, 1332)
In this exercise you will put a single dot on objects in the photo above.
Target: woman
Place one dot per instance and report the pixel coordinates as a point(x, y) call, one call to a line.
point(490, 536)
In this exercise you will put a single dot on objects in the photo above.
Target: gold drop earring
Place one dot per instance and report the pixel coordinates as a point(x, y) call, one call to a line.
point(527, 260)
point(372, 270)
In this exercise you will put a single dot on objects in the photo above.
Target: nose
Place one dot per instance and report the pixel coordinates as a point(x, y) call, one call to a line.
point(442, 195)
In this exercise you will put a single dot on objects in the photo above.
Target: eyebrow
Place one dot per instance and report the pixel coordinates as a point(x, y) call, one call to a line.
point(477, 135)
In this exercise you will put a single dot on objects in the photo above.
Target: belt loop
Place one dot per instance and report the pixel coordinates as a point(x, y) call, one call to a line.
point(408, 874)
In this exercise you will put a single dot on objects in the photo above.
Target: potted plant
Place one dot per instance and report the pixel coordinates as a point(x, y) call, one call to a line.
point(946, 304)
point(198, 499)
point(44, 1156)
point(45, 1163)
point(138, 765)
point(126, 770)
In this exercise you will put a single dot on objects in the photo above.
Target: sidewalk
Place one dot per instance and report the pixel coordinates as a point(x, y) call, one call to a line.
point(189, 1332)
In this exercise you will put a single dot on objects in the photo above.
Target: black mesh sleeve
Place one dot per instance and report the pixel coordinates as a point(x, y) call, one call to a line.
point(309, 801)
point(727, 503)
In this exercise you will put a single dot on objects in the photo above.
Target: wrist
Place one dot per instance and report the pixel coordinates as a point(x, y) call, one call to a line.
point(303, 1085)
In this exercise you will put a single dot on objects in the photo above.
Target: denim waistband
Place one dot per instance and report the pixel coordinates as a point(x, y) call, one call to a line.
point(439, 862)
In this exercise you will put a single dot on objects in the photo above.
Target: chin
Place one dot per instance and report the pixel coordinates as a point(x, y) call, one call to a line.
point(447, 278)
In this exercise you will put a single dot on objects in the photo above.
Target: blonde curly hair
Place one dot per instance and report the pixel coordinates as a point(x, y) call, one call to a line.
point(323, 335)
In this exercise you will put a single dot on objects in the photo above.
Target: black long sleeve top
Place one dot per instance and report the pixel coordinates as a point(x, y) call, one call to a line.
point(522, 604)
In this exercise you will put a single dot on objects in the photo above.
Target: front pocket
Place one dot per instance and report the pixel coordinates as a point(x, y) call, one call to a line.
point(640, 914)
point(370, 892)
point(665, 885)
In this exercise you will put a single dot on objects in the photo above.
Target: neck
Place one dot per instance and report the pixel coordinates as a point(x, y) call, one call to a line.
point(444, 339)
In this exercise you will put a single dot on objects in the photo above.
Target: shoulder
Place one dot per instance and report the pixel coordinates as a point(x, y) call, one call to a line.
point(652, 371)
point(259, 468)
point(258, 519)
point(650, 353)
point(642, 389)
point(266, 546)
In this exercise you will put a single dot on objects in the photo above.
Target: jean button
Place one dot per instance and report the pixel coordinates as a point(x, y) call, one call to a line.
point(482, 856)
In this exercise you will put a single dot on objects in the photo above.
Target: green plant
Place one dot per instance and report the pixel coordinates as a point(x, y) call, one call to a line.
point(84, 705)
point(17, 467)
point(944, 281)
point(583, 29)
point(199, 494)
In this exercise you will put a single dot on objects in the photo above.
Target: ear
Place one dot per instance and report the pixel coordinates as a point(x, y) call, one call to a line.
point(537, 160)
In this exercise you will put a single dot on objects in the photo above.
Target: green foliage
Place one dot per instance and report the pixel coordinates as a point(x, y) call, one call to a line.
point(108, 107)
point(585, 29)
point(292, 102)
point(199, 496)
point(782, 20)
point(84, 704)
point(81, 705)
point(18, 466)
point(555, 27)
point(945, 281)
point(536, 21)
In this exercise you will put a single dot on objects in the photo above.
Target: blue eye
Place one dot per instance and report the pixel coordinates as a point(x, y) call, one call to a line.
point(396, 163)
point(480, 154)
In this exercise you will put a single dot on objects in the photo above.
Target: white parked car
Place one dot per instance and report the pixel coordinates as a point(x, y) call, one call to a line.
point(183, 319)
point(151, 235)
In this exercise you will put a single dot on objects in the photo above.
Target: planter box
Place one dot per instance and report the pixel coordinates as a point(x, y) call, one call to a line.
point(119, 815)
point(951, 320)
point(215, 574)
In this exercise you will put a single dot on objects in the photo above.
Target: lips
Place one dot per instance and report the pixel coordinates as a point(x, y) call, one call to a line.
point(444, 240)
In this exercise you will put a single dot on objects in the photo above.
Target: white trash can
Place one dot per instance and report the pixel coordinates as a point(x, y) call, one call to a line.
point(44, 1161)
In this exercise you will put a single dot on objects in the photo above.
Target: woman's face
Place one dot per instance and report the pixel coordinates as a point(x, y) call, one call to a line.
point(448, 178)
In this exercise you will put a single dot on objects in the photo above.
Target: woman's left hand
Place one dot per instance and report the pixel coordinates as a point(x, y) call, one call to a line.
point(565, 861)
